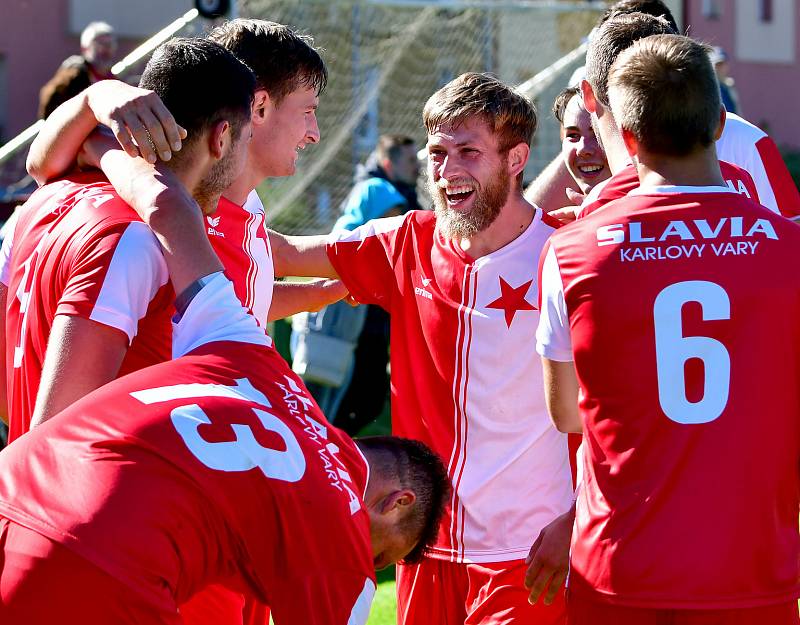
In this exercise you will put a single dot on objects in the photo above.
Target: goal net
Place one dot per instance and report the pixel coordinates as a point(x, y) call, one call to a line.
point(386, 57)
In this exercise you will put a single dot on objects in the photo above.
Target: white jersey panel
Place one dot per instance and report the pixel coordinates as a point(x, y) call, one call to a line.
point(512, 458)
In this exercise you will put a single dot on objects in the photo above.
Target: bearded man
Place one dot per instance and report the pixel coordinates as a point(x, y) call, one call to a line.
point(461, 286)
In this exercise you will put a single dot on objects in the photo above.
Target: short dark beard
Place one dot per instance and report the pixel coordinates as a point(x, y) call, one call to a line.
point(219, 177)
point(487, 206)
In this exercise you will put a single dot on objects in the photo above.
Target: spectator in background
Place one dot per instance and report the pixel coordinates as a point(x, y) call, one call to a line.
point(583, 156)
point(343, 352)
point(727, 87)
point(98, 47)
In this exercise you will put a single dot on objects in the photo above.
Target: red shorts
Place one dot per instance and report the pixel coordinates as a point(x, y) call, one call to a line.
point(216, 605)
point(448, 593)
point(42, 582)
point(586, 612)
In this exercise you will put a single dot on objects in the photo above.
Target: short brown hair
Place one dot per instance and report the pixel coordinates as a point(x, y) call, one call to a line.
point(281, 58)
point(664, 90)
point(649, 7)
point(615, 35)
point(390, 146)
point(561, 102)
point(510, 114)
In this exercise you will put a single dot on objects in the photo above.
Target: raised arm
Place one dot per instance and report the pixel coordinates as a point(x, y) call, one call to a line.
point(137, 117)
point(164, 204)
point(301, 255)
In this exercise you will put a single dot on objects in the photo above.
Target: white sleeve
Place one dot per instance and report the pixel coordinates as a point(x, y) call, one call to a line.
point(215, 314)
point(5, 250)
point(552, 336)
point(135, 274)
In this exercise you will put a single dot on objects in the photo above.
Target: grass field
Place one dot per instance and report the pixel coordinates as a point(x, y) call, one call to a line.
point(384, 607)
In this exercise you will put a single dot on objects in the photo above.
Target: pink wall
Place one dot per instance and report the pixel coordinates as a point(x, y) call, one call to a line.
point(34, 40)
point(769, 93)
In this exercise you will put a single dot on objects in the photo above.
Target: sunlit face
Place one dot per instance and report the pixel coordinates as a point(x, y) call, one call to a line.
point(288, 128)
point(468, 177)
point(390, 542)
point(583, 156)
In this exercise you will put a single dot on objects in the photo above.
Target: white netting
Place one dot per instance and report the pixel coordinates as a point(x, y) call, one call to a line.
point(386, 57)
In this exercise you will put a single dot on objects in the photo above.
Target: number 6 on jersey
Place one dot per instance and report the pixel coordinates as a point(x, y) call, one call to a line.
point(673, 350)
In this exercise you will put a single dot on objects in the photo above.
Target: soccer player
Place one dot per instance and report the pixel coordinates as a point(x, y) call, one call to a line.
point(290, 76)
point(215, 467)
point(582, 153)
point(87, 297)
point(461, 286)
point(688, 509)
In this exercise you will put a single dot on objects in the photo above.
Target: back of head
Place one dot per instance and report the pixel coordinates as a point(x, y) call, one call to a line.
point(281, 58)
point(615, 35)
point(511, 115)
point(417, 468)
point(663, 89)
point(656, 8)
point(201, 83)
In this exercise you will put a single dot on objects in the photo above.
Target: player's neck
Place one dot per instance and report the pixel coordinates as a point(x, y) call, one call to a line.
point(240, 188)
point(514, 218)
point(698, 169)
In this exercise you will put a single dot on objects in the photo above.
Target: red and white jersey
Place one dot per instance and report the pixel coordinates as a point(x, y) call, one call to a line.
point(676, 307)
point(465, 379)
point(752, 149)
point(217, 467)
point(626, 180)
point(79, 250)
point(239, 237)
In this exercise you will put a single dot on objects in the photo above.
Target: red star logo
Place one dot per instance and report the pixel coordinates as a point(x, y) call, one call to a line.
point(511, 300)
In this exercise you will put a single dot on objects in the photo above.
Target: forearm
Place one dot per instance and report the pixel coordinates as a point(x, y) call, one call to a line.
point(56, 147)
point(301, 255)
point(168, 209)
point(548, 190)
point(289, 298)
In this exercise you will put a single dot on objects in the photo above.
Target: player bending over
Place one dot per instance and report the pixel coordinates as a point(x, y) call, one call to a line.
point(216, 467)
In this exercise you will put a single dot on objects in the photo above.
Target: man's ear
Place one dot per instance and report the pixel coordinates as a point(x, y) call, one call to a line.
point(220, 139)
point(518, 158)
point(723, 116)
point(261, 106)
point(587, 95)
point(631, 143)
point(398, 500)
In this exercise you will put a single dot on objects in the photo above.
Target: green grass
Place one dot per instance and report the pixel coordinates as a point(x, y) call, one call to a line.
point(384, 607)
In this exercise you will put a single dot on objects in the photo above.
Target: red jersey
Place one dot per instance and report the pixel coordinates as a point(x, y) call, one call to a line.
point(462, 371)
point(752, 149)
point(79, 250)
point(217, 467)
point(239, 238)
point(682, 321)
point(626, 180)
